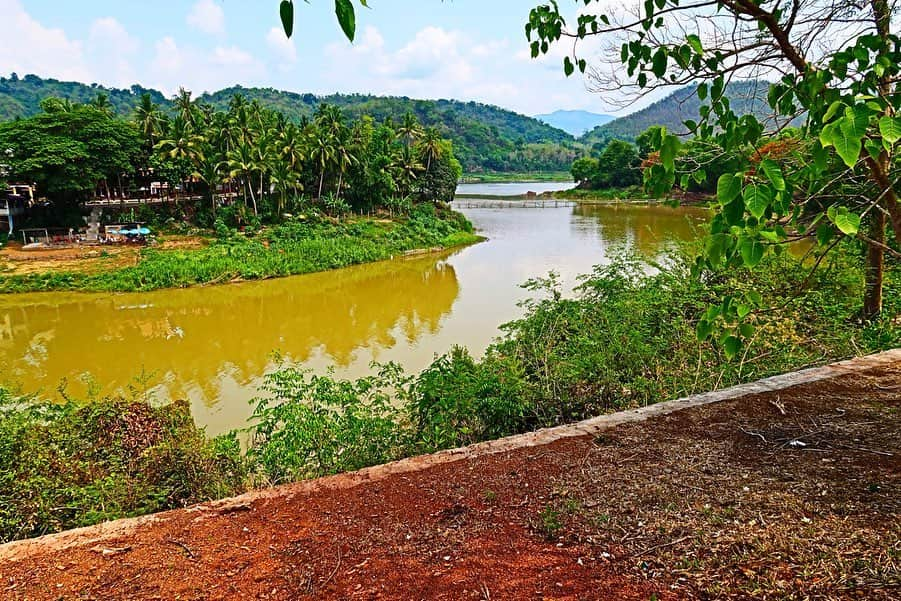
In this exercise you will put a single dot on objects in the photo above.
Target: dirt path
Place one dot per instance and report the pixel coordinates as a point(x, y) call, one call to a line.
point(788, 494)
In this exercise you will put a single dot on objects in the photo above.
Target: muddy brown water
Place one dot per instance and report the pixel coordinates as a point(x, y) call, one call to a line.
point(214, 345)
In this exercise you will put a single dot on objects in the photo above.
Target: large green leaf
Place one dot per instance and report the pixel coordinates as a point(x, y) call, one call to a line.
point(847, 143)
point(856, 120)
point(659, 62)
point(695, 43)
point(773, 173)
point(728, 187)
point(669, 148)
point(757, 199)
point(344, 9)
point(848, 223)
point(751, 251)
point(890, 128)
point(732, 346)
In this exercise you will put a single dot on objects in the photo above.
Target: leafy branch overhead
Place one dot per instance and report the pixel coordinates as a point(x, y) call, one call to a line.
point(833, 65)
point(344, 11)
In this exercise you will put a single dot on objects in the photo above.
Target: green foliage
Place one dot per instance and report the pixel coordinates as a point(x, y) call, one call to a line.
point(68, 149)
point(311, 426)
point(288, 249)
point(457, 401)
point(72, 465)
point(837, 179)
point(629, 338)
point(618, 166)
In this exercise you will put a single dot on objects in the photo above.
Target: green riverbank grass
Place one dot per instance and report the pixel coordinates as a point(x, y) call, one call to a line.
point(289, 249)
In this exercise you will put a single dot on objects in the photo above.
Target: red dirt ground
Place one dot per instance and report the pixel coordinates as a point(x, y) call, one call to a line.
point(792, 494)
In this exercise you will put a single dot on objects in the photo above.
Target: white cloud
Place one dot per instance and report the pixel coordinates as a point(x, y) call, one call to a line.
point(283, 47)
point(111, 51)
point(174, 66)
point(208, 17)
point(26, 46)
point(439, 63)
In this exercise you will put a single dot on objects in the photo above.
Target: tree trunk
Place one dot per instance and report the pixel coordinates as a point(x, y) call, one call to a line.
point(875, 268)
point(321, 180)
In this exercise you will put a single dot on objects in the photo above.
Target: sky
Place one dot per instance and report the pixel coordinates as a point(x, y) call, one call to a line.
point(460, 49)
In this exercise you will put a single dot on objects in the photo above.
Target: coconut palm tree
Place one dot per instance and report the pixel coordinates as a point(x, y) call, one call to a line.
point(243, 163)
point(211, 170)
point(405, 167)
point(322, 153)
point(285, 178)
point(430, 146)
point(409, 130)
point(149, 119)
point(185, 106)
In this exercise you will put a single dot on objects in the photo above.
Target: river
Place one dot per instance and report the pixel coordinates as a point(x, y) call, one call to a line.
point(213, 345)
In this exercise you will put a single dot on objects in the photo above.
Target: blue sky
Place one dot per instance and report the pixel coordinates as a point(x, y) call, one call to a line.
point(463, 49)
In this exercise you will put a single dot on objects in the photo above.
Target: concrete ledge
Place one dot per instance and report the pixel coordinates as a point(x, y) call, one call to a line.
point(92, 535)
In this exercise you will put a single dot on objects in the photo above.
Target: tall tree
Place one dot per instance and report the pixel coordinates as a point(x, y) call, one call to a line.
point(836, 63)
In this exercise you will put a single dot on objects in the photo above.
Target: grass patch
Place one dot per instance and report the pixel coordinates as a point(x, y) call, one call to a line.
point(605, 195)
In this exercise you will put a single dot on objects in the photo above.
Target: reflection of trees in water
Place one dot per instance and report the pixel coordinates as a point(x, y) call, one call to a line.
point(193, 338)
point(647, 228)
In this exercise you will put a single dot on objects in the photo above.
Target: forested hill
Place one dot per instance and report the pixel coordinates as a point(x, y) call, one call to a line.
point(486, 138)
point(746, 97)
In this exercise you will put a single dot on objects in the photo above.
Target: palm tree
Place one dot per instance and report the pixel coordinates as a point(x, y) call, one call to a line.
point(181, 144)
point(148, 118)
point(405, 167)
point(431, 146)
point(181, 141)
point(101, 101)
point(242, 162)
point(322, 153)
point(211, 171)
point(343, 158)
point(186, 107)
point(284, 178)
point(409, 130)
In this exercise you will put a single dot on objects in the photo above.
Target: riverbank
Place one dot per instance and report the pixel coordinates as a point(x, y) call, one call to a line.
point(628, 340)
point(779, 500)
point(510, 178)
point(292, 248)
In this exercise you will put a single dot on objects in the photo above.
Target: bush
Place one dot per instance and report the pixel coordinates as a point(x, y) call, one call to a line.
point(67, 466)
point(458, 401)
point(311, 426)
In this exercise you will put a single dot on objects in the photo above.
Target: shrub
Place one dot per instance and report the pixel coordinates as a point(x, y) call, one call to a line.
point(68, 465)
point(310, 426)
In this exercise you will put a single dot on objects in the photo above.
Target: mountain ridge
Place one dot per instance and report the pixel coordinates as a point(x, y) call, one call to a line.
point(746, 97)
point(575, 122)
point(486, 137)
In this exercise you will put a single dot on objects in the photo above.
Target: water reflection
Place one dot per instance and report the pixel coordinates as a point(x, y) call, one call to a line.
point(649, 229)
point(207, 344)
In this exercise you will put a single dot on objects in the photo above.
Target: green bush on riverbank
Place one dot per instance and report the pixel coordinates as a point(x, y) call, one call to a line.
point(69, 465)
point(287, 249)
point(627, 339)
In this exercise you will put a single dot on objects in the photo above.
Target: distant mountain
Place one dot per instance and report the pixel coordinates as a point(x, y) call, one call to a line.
point(575, 122)
point(486, 138)
point(746, 97)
